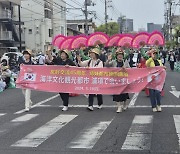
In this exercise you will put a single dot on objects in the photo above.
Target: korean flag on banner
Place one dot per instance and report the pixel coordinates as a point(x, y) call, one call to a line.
point(30, 77)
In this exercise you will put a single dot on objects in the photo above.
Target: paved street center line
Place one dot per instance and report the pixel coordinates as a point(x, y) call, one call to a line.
point(177, 125)
point(133, 100)
point(2, 114)
point(89, 136)
point(38, 104)
point(139, 135)
point(41, 134)
point(110, 106)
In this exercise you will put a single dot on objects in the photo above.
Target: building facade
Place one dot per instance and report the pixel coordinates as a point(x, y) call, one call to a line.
point(10, 24)
point(125, 25)
point(154, 27)
point(42, 21)
point(79, 26)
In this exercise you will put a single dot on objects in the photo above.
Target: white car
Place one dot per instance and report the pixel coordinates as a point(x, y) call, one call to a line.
point(6, 56)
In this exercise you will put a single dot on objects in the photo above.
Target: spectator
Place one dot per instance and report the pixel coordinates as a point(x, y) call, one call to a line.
point(172, 60)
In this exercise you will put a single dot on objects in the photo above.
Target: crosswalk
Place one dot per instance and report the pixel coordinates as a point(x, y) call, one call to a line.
point(139, 135)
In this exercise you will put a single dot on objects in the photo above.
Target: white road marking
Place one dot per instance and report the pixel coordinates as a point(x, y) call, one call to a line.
point(42, 102)
point(133, 100)
point(177, 125)
point(89, 136)
point(139, 135)
point(2, 114)
point(110, 106)
point(175, 92)
point(24, 118)
point(41, 134)
point(16, 122)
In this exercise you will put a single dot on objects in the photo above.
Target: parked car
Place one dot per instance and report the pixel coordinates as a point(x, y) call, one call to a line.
point(6, 56)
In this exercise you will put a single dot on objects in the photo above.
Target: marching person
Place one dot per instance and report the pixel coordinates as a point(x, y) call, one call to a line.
point(162, 55)
point(93, 62)
point(121, 99)
point(27, 92)
point(64, 60)
point(41, 59)
point(155, 95)
point(133, 58)
point(172, 60)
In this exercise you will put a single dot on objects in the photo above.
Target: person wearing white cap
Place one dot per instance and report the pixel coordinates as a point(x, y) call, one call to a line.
point(93, 62)
point(27, 92)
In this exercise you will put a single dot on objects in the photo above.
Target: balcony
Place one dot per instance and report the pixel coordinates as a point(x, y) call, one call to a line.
point(6, 36)
point(14, 2)
point(5, 15)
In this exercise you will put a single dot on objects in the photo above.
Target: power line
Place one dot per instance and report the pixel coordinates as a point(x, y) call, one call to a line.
point(76, 2)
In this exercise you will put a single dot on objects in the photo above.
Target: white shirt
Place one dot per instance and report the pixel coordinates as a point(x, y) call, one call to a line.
point(41, 60)
point(93, 63)
point(171, 58)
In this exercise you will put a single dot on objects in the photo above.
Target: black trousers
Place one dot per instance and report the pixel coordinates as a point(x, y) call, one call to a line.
point(172, 65)
point(91, 99)
point(65, 98)
point(7, 81)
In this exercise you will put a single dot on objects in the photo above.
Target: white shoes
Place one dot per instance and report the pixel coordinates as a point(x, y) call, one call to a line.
point(119, 110)
point(29, 106)
point(90, 108)
point(99, 107)
point(154, 109)
point(65, 108)
point(159, 109)
point(26, 109)
point(125, 106)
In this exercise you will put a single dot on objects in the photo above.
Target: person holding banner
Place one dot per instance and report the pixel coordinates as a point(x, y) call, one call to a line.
point(64, 59)
point(93, 62)
point(121, 99)
point(27, 92)
point(155, 95)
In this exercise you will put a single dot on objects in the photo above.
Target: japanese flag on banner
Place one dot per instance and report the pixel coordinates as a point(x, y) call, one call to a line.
point(30, 77)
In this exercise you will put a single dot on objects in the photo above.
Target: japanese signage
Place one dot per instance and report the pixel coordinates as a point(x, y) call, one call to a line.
point(90, 80)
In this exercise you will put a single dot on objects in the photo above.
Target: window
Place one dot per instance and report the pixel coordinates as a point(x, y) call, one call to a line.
point(50, 32)
point(30, 31)
point(48, 13)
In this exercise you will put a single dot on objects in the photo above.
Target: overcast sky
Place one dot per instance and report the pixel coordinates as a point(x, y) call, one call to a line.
point(142, 11)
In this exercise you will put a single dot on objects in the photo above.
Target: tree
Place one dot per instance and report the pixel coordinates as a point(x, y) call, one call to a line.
point(177, 33)
point(112, 28)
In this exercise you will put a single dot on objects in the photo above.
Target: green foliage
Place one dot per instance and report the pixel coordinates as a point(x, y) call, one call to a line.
point(170, 44)
point(112, 28)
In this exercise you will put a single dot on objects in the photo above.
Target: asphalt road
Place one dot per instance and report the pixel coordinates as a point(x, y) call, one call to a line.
point(48, 130)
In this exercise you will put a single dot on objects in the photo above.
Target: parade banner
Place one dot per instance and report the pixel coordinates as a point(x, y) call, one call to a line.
point(90, 80)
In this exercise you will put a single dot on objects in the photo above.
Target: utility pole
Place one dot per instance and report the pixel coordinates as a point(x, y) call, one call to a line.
point(86, 17)
point(20, 39)
point(166, 27)
point(52, 18)
point(106, 17)
point(170, 19)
